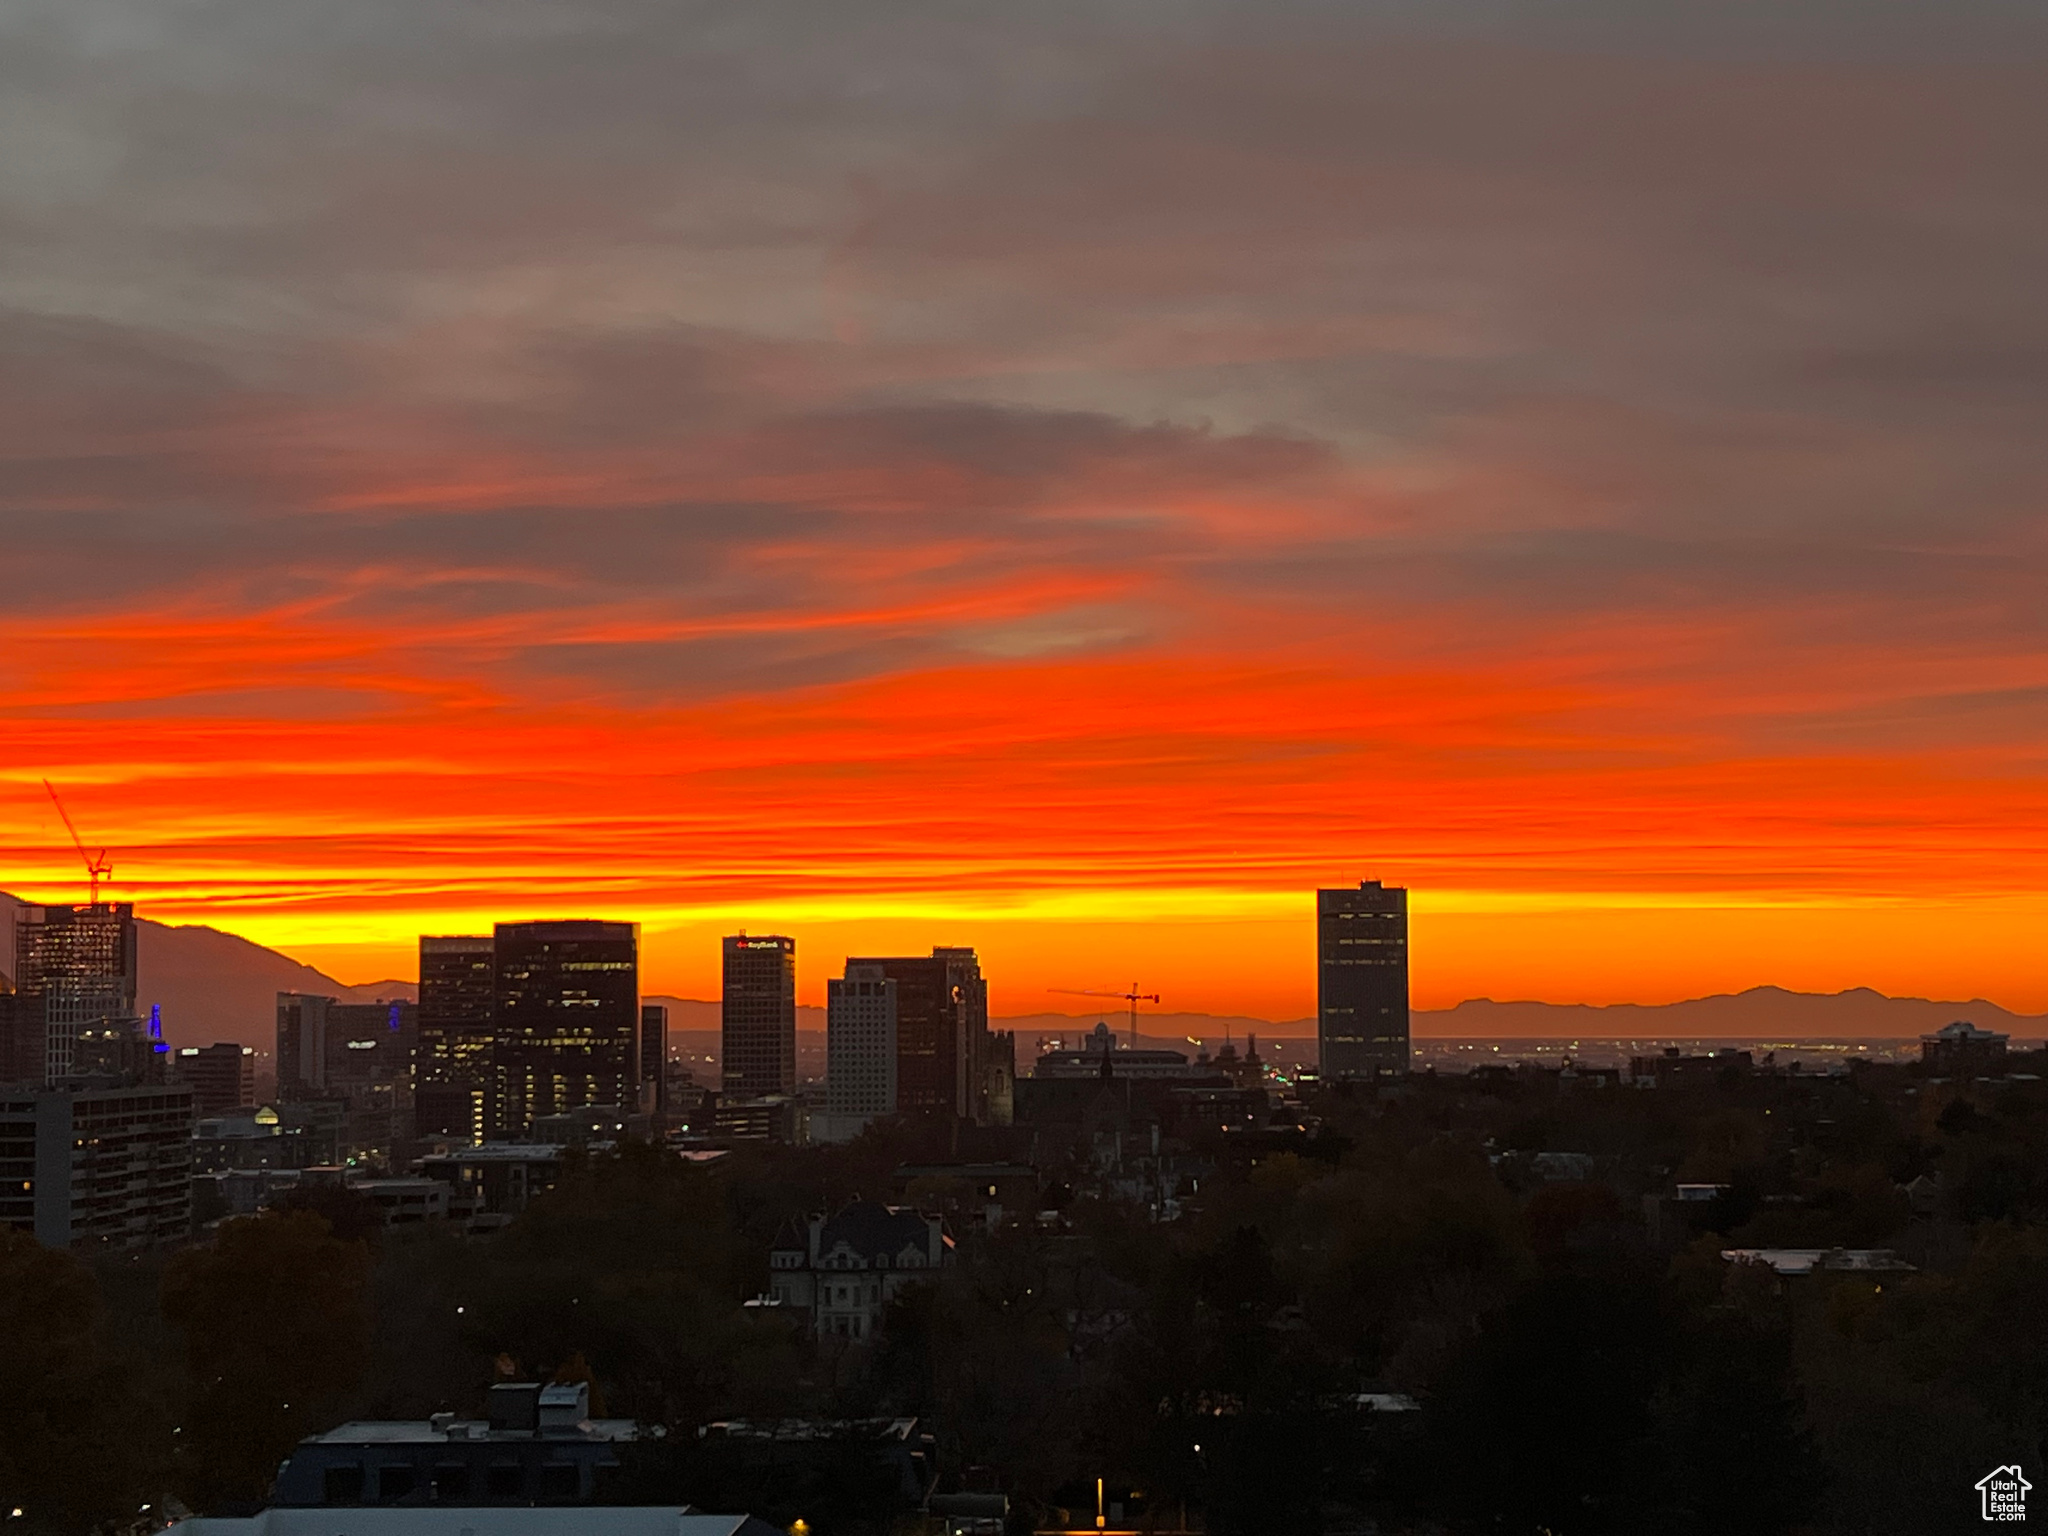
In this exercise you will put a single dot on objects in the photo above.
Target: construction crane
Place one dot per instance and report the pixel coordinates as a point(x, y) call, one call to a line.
point(1133, 997)
point(98, 866)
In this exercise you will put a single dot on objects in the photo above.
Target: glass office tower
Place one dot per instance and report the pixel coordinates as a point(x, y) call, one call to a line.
point(565, 1018)
point(757, 1016)
point(1362, 981)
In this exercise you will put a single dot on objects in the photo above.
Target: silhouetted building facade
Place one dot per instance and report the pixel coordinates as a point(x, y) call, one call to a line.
point(356, 1054)
point(1362, 981)
point(127, 1051)
point(996, 1098)
point(454, 1080)
point(21, 1042)
point(757, 1015)
point(1098, 1056)
point(654, 1062)
point(73, 966)
point(222, 1076)
point(565, 1017)
point(942, 1039)
point(1672, 1068)
point(860, 1051)
point(539, 1446)
point(97, 1168)
point(765, 1117)
point(1962, 1049)
point(489, 1185)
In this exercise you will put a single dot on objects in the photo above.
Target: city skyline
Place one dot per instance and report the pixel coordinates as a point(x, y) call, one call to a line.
point(1861, 1012)
point(1280, 987)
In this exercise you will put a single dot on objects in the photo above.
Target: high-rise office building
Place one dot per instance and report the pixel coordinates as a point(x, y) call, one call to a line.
point(222, 1076)
point(356, 1054)
point(942, 1039)
point(328, 1049)
point(301, 1053)
point(654, 1061)
point(1362, 981)
point(97, 1168)
point(120, 1050)
point(860, 1051)
point(454, 1080)
point(21, 1039)
point(565, 1018)
point(73, 967)
point(757, 1017)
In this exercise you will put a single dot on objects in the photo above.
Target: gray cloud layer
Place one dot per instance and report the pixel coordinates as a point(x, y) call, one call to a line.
point(1058, 329)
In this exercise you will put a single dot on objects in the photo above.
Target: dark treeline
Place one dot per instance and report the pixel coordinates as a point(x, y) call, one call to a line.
point(1577, 1372)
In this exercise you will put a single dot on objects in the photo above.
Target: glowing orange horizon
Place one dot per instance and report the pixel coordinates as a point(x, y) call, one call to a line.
point(1136, 817)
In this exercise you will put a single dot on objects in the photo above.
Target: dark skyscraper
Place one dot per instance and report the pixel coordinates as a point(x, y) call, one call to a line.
point(100, 1169)
point(357, 1054)
point(454, 1078)
point(73, 966)
point(757, 1016)
point(222, 1076)
point(565, 1017)
point(21, 1039)
point(654, 1059)
point(1362, 980)
point(942, 1038)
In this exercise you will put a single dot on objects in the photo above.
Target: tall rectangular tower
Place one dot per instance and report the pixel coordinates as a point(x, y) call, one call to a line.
point(454, 1079)
point(757, 1018)
point(73, 966)
point(1362, 981)
point(301, 1056)
point(654, 1061)
point(21, 1039)
point(941, 1031)
point(565, 1018)
point(222, 1076)
point(357, 1054)
point(860, 1048)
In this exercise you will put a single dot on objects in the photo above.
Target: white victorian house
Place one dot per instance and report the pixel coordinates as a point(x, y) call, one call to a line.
point(841, 1271)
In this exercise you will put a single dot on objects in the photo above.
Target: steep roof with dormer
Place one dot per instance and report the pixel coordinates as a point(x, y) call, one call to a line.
point(871, 1230)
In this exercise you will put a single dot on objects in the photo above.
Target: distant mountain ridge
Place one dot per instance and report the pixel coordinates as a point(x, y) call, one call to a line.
point(214, 985)
point(1757, 1012)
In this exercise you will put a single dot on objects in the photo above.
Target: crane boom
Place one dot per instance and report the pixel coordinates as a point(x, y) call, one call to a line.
point(1133, 997)
point(97, 866)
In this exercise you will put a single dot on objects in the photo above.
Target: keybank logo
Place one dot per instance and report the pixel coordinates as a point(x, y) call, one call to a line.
point(2004, 1492)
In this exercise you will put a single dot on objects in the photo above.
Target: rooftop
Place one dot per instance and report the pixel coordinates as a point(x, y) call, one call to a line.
point(867, 1227)
point(1964, 1031)
point(442, 1428)
point(501, 1152)
point(519, 1411)
point(813, 1429)
point(1806, 1261)
point(459, 1520)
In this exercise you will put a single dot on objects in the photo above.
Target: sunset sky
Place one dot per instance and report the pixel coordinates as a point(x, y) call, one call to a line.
point(1068, 479)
